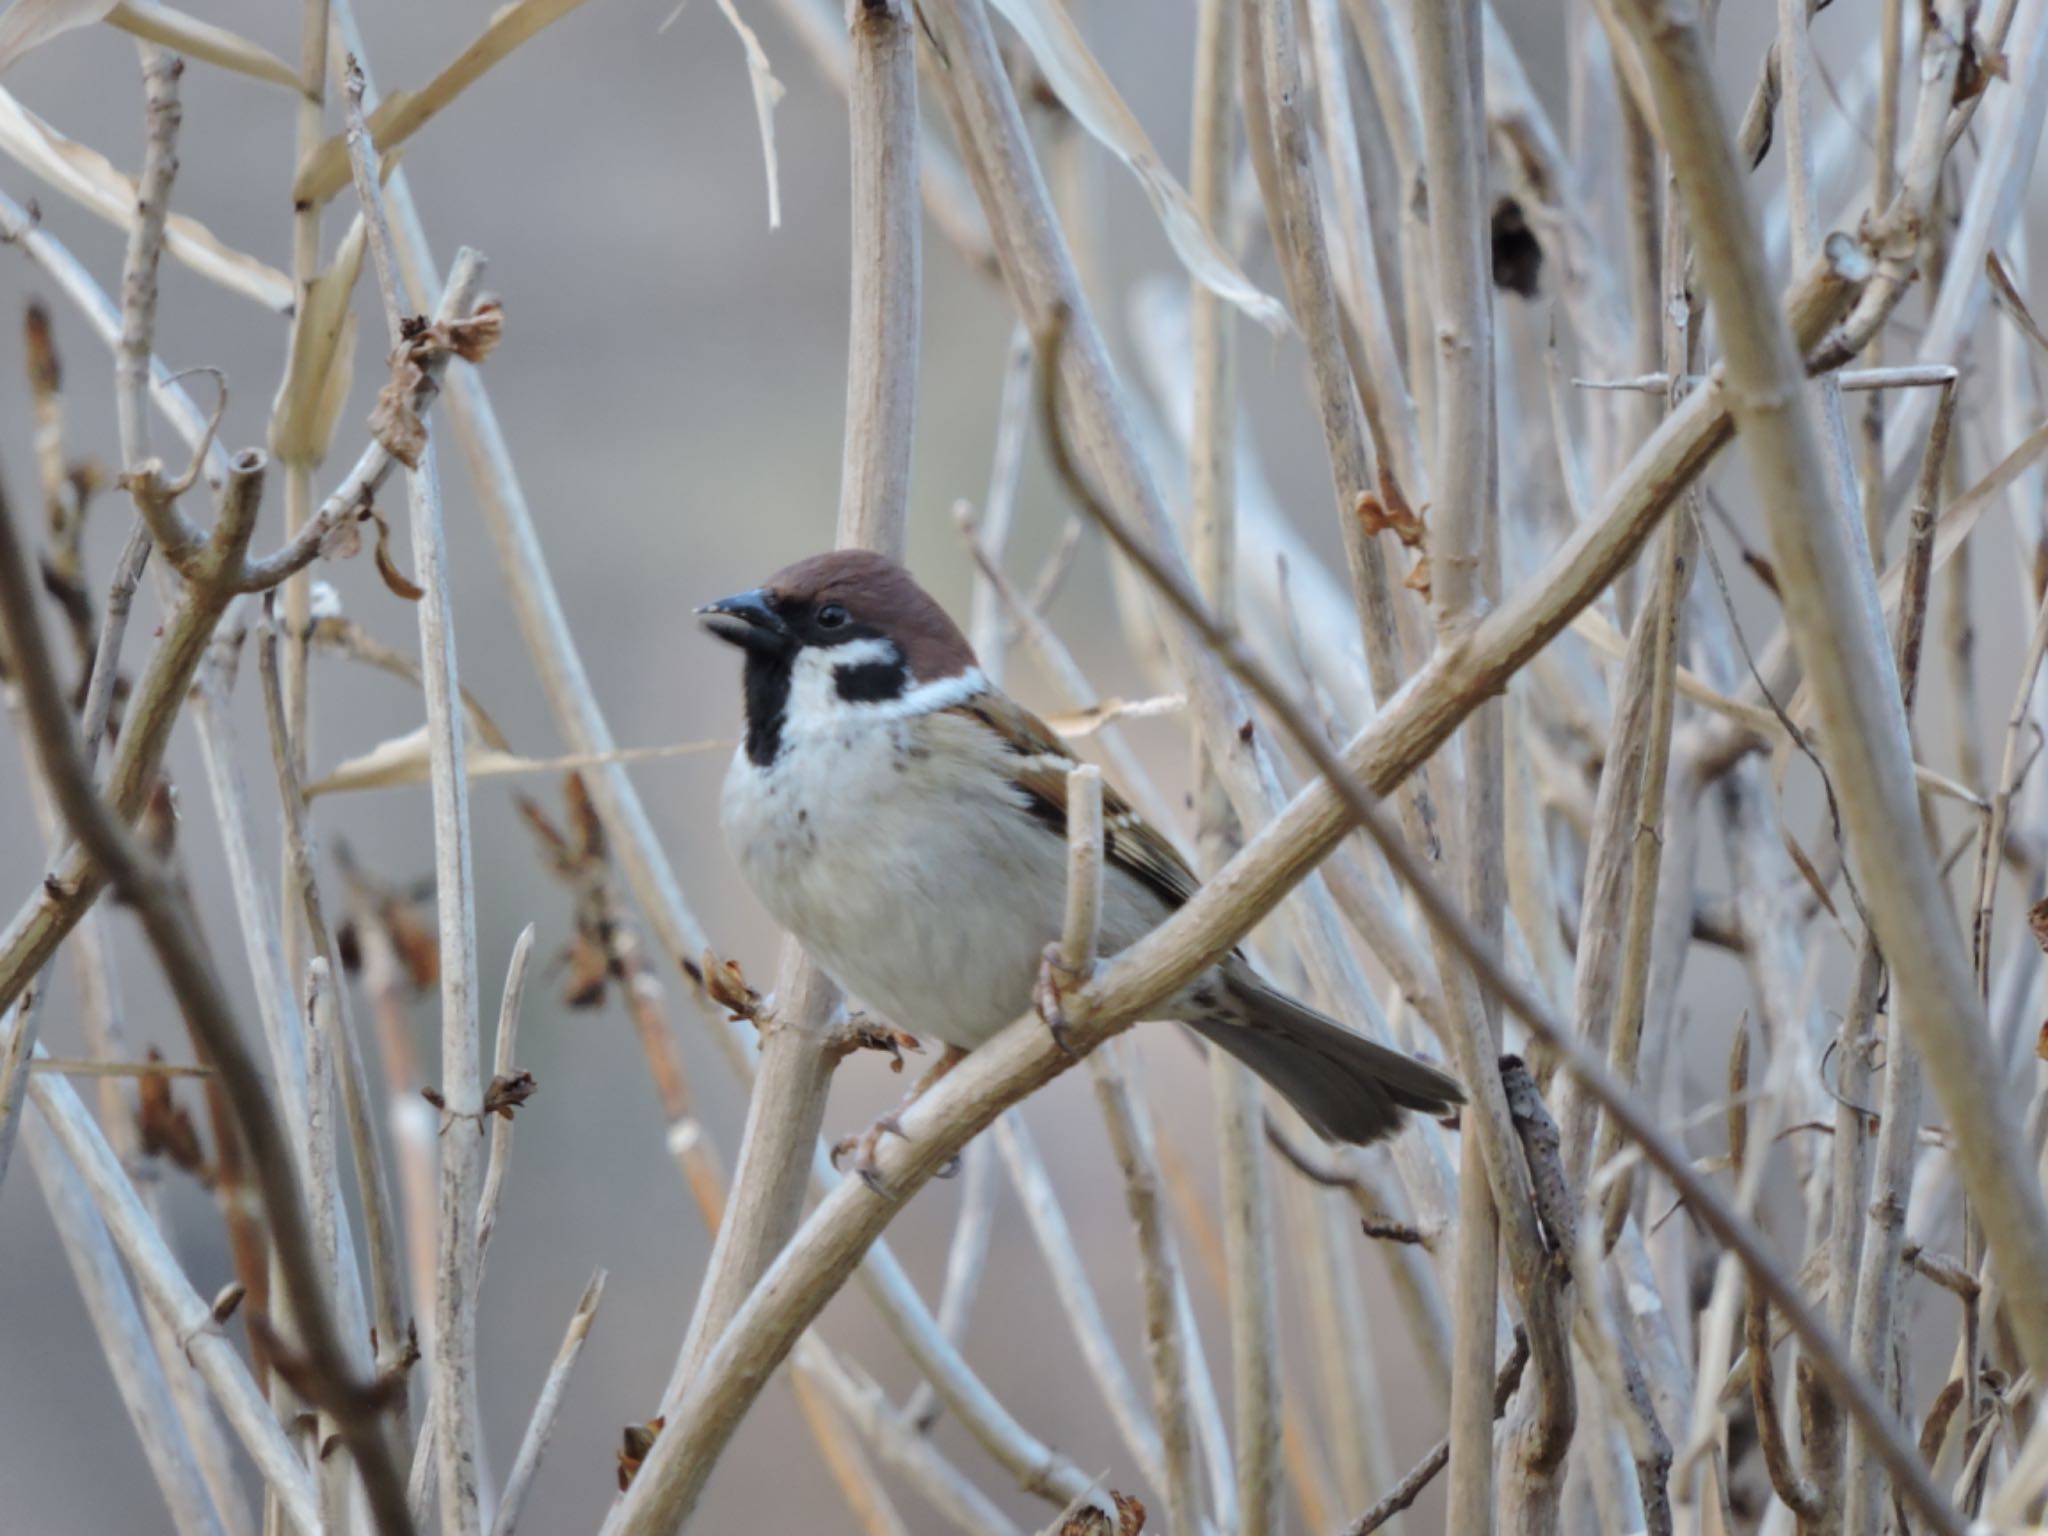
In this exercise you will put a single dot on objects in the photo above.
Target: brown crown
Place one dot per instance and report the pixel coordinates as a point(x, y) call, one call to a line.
point(876, 591)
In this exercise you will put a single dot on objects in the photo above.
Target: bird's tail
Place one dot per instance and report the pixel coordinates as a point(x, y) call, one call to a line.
point(1346, 1086)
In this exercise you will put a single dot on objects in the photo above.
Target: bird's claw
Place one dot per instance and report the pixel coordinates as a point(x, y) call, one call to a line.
point(1048, 995)
point(863, 1145)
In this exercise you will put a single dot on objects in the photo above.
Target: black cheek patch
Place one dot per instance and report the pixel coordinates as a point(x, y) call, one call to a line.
point(870, 682)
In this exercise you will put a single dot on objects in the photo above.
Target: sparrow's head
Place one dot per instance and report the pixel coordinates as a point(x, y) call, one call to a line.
point(840, 634)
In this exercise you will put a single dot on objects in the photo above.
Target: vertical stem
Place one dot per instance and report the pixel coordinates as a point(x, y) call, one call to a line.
point(1212, 484)
point(1463, 552)
point(455, 1391)
point(787, 1106)
point(298, 484)
point(458, 1264)
point(298, 470)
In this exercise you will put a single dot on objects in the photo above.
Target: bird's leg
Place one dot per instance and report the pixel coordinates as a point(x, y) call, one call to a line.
point(1048, 993)
point(864, 1143)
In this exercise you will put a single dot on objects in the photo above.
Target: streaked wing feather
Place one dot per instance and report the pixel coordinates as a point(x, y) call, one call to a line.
point(1042, 764)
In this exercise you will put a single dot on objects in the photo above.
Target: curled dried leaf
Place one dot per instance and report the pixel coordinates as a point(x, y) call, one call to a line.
point(395, 423)
point(588, 970)
point(400, 584)
point(226, 1299)
point(475, 338)
point(726, 984)
point(584, 825)
point(507, 1091)
point(1417, 579)
point(418, 944)
point(2037, 922)
point(1395, 517)
point(865, 1034)
point(165, 1128)
point(1092, 1520)
point(45, 373)
point(636, 1441)
point(1935, 1430)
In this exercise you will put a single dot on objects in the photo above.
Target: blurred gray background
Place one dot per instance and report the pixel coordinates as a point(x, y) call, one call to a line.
point(671, 383)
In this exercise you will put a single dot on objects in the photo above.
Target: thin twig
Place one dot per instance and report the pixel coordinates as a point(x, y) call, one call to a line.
point(503, 1076)
point(549, 1404)
point(1409, 1489)
point(461, 1087)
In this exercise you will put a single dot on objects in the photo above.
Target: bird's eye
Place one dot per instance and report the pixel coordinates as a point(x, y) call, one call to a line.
point(831, 616)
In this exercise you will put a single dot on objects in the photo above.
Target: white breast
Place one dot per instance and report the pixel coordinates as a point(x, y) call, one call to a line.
point(895, 848)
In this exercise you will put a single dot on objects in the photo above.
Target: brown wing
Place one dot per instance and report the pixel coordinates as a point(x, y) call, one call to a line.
point(1041, 768)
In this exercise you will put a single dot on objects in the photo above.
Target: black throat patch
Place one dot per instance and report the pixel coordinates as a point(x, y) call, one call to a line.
point(768, 676)
point(767, 688)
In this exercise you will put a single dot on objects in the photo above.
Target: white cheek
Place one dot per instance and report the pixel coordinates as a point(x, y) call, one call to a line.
point(814, 680)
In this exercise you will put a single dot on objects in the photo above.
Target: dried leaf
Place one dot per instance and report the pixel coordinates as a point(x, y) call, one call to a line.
point(227, 1299)
point(584, 826)
point(1086, 722)
point(45, 373)
point(2041, 1043)
point(197, 39)
point(507, 1091)
point(418, 943)
point(404, 760)
point(400, 584)
point(1086, 1518)
point(635, 1443)
point(1811, 876)
point(1417, 579)
point(321, 363)
point(477, 337)
point(726, 985)
point(1935, 1430)
point(394, 422)
point(90, 179)
point(1764, 571)
point(1401, 520)
point(2037, 922)
point(866, 1034)
point(165, 1129)
point(1085, 90)
point(589, 972)
point(30, 23)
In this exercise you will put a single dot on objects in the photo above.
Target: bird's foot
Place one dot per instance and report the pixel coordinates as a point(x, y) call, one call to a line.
point(865, 1145)
point(1048, 994)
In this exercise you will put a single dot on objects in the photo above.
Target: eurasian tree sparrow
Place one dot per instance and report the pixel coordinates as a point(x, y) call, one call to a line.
point(907, 822)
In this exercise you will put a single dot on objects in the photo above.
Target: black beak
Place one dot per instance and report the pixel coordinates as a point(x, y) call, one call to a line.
point(748, 621)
